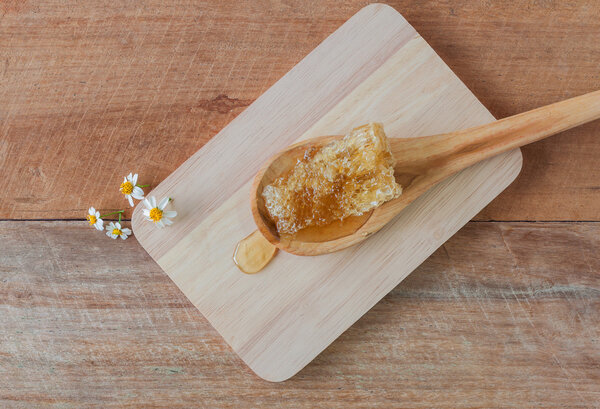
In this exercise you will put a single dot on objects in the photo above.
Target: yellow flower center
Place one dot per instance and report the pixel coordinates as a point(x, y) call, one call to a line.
point(126, 188)
point(116, 232)
point(91, 219)
point(156, 214)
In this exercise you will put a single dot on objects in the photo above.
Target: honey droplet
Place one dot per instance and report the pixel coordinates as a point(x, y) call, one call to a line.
point(253, 253)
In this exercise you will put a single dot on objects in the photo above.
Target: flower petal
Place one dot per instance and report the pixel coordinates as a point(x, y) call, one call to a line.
point(170, 213)
point(91, 210)
point(123, 236)
point(137, 193)
point(126, 231)
point(152, 202)
point(160, 223)
point(147, 204)
point(166, 221)
point(163, 203)
point(130, 200)
point(134, 179)
point(97, 215)
point(146, 212)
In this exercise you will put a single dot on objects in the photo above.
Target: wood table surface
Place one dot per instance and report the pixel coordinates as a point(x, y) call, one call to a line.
point(505, 314)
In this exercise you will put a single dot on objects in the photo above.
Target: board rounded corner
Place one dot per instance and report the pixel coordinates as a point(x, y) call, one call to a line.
point(518, 154)
point(267, 374)
point(380, 6)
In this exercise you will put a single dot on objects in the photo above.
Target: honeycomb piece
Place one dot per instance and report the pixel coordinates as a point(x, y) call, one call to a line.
point(346, 177)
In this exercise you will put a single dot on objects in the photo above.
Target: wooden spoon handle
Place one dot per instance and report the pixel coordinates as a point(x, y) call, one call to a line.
point(466, 147)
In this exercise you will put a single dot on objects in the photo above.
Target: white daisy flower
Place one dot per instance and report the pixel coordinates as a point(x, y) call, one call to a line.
point(130, 188)
point(115, 230)
point(157, 213)
point(94, 219)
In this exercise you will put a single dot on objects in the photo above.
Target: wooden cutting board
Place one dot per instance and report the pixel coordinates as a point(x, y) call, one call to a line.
point(375, 67)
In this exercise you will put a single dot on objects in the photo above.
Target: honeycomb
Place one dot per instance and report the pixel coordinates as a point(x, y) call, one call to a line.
point(346, 177)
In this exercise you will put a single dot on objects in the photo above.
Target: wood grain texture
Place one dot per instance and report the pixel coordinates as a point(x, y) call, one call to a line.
point(504, 315)
point(375, 66)
point(92, 91)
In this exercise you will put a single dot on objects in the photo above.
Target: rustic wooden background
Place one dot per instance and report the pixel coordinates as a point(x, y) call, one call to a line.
point(504, 315)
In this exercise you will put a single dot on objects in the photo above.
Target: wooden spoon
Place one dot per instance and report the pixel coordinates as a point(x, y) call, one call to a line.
point(422, 162)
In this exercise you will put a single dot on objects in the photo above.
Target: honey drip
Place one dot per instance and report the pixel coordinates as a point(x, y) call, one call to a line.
point(253, 253)
point(345, 178)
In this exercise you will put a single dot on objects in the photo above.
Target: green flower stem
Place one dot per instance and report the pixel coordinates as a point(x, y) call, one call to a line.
point(108, 214)
point(142, 185)
point(120, 217)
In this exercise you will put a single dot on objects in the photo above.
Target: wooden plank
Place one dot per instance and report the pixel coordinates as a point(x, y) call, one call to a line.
point(505, 314)
point(91, 92)
point(373, 67)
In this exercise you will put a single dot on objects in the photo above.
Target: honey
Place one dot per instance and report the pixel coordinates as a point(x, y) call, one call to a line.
point(253, 253)
point(345, 178)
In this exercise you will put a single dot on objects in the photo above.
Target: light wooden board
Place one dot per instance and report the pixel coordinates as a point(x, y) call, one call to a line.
point(373, 68)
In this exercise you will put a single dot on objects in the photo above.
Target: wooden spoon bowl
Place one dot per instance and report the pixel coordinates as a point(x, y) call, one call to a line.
point(276, 166)
point(422, 162)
